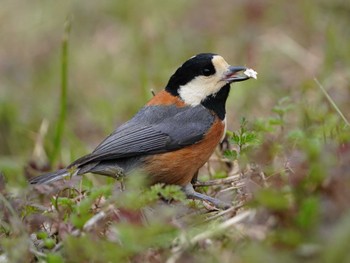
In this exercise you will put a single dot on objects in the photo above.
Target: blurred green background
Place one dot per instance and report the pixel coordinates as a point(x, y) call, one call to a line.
point(120, 50)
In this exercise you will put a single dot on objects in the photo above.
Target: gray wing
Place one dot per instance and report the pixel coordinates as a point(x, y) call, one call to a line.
point(155, 129)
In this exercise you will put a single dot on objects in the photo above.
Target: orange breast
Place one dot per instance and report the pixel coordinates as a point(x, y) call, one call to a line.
point(178, 167)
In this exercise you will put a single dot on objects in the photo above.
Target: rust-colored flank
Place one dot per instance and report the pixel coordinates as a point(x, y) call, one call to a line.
point(178, 167)
point(165, 98)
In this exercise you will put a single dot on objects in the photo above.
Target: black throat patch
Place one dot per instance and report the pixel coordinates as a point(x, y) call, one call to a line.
point(217, 102)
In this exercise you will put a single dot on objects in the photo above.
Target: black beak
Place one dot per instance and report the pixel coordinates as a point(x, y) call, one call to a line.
point(231, 75)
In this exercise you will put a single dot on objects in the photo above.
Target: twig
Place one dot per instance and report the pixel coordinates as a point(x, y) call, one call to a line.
point(263, 177)
point(227, 180)
point(224, 212)
point(235, 187)
point(88, 225)
point(209, 233)
point(37, 253)
point(220, 228)
point(94, 220)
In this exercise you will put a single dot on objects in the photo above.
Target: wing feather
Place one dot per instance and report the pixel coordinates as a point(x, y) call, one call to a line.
point(155, 129)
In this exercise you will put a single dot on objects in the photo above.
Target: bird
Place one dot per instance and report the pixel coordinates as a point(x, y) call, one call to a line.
point(173, 135)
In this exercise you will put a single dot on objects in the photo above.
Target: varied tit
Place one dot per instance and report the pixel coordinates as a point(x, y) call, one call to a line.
point(173, 135)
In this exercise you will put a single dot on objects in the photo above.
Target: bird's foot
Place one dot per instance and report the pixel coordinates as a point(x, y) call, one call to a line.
point(192, 194)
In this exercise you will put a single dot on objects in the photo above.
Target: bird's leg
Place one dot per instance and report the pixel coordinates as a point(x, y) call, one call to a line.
point(194, 178)
point(192, 194)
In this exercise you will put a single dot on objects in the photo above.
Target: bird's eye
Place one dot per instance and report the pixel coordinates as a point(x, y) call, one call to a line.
point(206, 72)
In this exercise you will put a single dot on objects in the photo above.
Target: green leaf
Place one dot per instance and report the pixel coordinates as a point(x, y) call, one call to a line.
point(275, 121)
point(54, 258)
point(231, 155)
point(235, 139)
point(41, 235)
point(172, 192)
point(296, 135)
point(308, 213)
point(284, 105)
point(49, 243)
point(272, 199)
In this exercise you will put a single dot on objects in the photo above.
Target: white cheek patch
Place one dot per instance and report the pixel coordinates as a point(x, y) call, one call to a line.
point(194, 92)
point(198, 89)
point(220, 65)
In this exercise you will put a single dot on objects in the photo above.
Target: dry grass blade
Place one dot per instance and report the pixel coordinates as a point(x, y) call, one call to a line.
point(222, 227)
point(208, 234)
point(331, 101)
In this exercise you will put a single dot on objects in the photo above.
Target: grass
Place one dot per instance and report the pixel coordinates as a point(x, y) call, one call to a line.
point(331, 101)
point(284, 167)
point(64, 89)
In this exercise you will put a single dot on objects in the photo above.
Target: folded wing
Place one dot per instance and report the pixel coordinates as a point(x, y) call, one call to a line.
point(155, 129)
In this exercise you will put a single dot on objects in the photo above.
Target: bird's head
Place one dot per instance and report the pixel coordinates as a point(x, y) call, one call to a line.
point(201, 76)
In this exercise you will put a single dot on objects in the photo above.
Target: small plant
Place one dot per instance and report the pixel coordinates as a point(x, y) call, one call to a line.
point(243, 139)
point(283, 106)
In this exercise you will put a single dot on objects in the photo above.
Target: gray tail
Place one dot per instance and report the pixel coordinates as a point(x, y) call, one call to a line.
point(49, 177)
